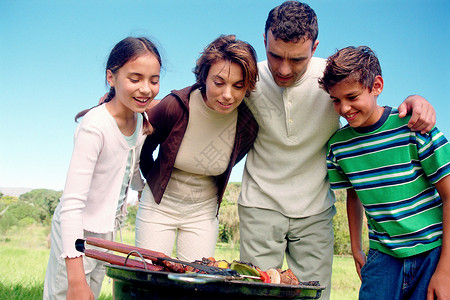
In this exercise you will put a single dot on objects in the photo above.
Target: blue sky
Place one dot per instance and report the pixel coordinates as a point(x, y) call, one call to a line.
point(53, 53)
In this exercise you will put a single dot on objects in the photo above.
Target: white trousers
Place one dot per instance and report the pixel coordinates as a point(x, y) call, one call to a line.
point(193, 226)
point(55, 285)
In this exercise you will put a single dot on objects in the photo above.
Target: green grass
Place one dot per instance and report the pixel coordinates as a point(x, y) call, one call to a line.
point(21, 290)
point(345, 282)
point(24, 255)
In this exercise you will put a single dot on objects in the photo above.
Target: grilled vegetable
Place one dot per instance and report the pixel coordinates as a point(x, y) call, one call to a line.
point(245, 268)
point(274, 275)
point(250, 270)
point(264, 276)
point(222, 264)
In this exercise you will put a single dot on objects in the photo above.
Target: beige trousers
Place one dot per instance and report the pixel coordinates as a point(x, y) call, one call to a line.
point(191, 226)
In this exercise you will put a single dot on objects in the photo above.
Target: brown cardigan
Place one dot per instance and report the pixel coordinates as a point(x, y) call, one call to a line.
point(169, 119)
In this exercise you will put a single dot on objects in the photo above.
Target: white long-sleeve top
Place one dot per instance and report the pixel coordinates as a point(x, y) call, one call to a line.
point(96, 172)
point(286, 169)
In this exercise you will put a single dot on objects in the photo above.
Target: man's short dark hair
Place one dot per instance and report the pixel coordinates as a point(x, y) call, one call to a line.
point(292, 21)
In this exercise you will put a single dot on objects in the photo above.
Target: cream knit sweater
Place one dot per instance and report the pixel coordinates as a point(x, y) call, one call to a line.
point(286, 169)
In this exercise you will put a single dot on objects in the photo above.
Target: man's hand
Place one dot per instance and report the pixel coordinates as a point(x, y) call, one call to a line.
point(423, 116)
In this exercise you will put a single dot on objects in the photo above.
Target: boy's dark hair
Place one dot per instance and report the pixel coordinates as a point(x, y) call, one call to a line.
point(230, 49)
point(292, 21)
point(357, 63)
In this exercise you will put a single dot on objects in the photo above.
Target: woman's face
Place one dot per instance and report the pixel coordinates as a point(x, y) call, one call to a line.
point(225, 88)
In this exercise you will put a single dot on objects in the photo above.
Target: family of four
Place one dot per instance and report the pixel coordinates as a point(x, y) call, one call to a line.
point(283, 113)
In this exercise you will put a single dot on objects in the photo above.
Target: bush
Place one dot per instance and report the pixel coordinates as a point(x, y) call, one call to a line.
point(23, 210)
point(36, 206)
point(228, 215)
point(17, 213)
point(131, 217)
point(6, 222)
point(27, 221)
point(229, 224)
point(340, 227)
point(8, 200)
point(342, 244)
point(45, 202)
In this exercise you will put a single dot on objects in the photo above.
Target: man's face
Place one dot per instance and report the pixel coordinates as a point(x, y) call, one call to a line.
point(288, 61)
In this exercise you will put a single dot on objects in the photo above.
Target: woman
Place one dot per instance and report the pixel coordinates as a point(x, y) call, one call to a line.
point(202, 131)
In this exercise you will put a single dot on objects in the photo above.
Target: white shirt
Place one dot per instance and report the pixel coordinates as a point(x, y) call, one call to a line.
point(286, 169)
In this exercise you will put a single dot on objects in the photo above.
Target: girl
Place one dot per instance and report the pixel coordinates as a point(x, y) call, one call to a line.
point(202, 131)
point(104, 164)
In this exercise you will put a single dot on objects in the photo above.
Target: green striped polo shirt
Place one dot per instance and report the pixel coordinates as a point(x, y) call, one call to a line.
point(392, 169)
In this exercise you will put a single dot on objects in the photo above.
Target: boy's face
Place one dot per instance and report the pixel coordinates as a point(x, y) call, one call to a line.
point(357, 104)
point(288, 61)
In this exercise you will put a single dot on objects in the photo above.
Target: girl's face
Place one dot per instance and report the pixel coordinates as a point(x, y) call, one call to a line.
point(225, 88)
point(136, 83)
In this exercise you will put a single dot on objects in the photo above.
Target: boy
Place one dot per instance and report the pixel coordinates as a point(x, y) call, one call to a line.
point(401, 179)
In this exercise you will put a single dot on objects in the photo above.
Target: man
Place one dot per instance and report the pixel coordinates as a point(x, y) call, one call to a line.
point(286, 206)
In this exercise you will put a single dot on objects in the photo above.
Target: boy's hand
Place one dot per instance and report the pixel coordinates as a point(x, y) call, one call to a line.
point(423, 116)
point(360, 261)
point(439, 287)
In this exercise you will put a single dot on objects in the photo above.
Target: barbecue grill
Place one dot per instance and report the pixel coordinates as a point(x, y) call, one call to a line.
point(158, 276)
point(132, 283)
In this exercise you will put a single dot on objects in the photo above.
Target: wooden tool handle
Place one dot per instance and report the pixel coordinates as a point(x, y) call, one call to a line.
point(156, 257)
point(120, 260)
point(123, 248)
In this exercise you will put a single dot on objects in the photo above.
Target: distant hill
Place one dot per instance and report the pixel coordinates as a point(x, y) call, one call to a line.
point(15, 192)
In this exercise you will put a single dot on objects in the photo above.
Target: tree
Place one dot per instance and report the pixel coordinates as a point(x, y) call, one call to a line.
point(44, 202)
point(14, 212)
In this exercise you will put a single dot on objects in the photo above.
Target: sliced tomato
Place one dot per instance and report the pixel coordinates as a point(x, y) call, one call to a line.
point(264, 276)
